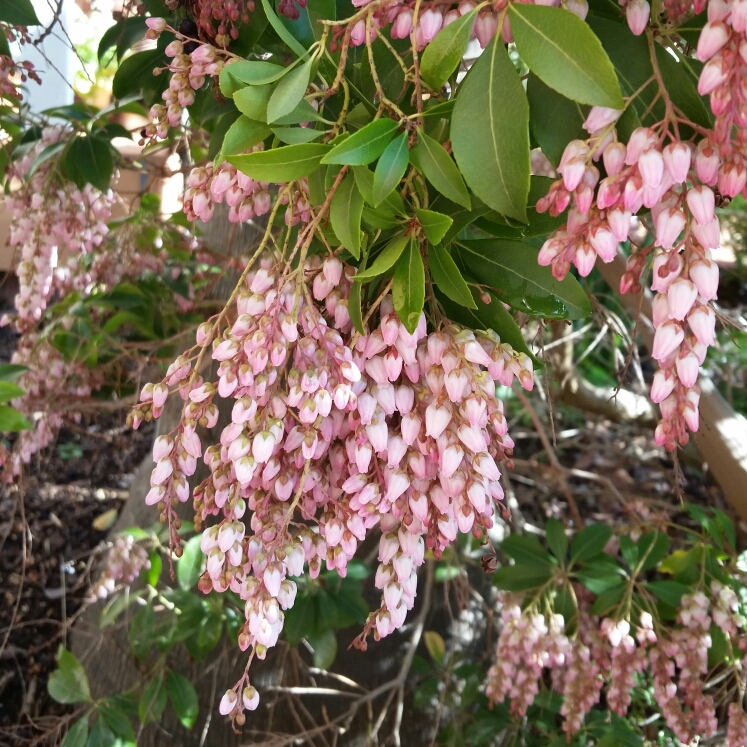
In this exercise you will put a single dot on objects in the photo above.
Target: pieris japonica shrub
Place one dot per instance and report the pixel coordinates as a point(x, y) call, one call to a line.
point(397, 155)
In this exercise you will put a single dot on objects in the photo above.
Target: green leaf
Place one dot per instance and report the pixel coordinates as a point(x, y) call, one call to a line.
point(490, 132)
point(526, 550)
point(156, 566)
point(252, 101)
point(243, 134)
point(563, 51)
point(118, 604)
point(11, 371)
point(629, 551)
point(12, 421)
point(608, 600)
point(116, 720)
point(511, 268)
point(141, 631)
point(77, 734)
point(9, 391)
point(136, 72)
point(296, 135)
point(101, 736)
point(431, 159)
point(364, 146)
point(354, 306)
point(447, 277)
point(392, 205)
point(390, 169)
point(18, 13)
point(557, 540)
point(238, 75)
point(281, 164)
point(554, 119)
point(288, 38)
point(289, 91)
point(408, 291)
point(599, 579)
point(184, 699)
point(122, 36)
point(386, 259)
point(435, 645)
point(652, 547)
point(435, 225)
point(92, 160)
point(522, 577)
point(324, 644)
point(153, 701)
point(218, 135)
point(493, 316)
point(345, 215)
point(443, 55)
point(189, 567)
point(670, 592)
point(68, 683)
point(590, 542)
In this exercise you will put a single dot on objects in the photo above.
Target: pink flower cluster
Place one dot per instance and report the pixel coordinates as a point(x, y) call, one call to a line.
point(606, 653)
point(208, 186)
point(736, 733)
point(674, 181)
point(13, 74)
point(125, 560)
point(188, 74)
point(332, 434)
point(437, 14)
point(53, 225)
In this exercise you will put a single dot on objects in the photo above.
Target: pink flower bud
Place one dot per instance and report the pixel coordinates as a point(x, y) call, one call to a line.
point(667, 339)
point(677, 158)
point(714, 74)
point(614, 158)
point(681, 297)
point(708, 234)
point(573, 172)
point(662, 386)
point(637, 13)
point(712, 38)
point(162, 447)
point(429, 24)
point(738, 19)
point(174, 49)
point(402, 25)
point(701, 202)
point(669, 225)
point(707, 163)
point(437, 418)
point(485, 27)
point(705, 274)
point(651, 166)
point(227, 703)
point(604, 243)
point(600, 117)
point(687, 369)
point(702, 321)
point(584, 259)
point(250, 698)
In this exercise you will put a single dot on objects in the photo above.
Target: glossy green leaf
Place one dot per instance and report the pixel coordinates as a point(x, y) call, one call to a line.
point(289, 91)
point(101, 736)
point(317, 191)
point(563, 51)
point(141, 631)
point(364, 146)
point(490, 132)
point(153, 573)
point(493, 316)
point(652, 548)
point(281, 164)
point(117, 721)
point(590, 542)
point(608, 600)
point(68, 683)
point(242, 135)
point(670, 592)
point(324, 644)
point(386, 259)
point(296, 135)
point(390, 169)
point(554, 119)
point(435, 645)
point(526, 550)
point(282, 31)
point(77, 734)
point(189, 566)
point(437, 166)
point(252, 101)
point(444, 54)
point(522, 577)
point(153, 701)
point(557, 540)
point(300, 620)
point(18, 13)
point(135, 72)
point(93, 161)
point(408, 291)
point(345, 215)
point(121, 36)
point(434, 225)
point(392, 204)
point(446, 276)
point(304, 112)
point(9, 391)
point(511, 268)
point(11, 371)
point(599, 580)
point(184, 699)
point(238, 75)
